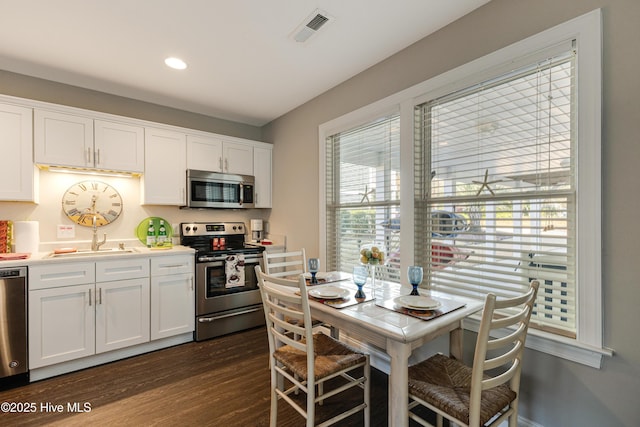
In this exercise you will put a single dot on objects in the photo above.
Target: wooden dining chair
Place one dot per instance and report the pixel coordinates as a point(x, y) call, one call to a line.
point(306, 364)
point(289, 265)
point(487, 393)
point(285, 264)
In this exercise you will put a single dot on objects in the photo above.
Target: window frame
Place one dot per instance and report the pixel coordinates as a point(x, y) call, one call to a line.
point(338, 205)
point(587, 348)
point(453, 118)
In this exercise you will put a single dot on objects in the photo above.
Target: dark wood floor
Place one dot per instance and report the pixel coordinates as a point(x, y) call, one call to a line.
point(220, 382)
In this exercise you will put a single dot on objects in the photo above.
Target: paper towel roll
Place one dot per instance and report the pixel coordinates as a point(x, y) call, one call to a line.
point(26, 236)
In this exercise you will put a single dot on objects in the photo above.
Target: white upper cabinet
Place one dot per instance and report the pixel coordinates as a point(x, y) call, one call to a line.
point(204, 153)
point(262, 173)
point(62, 139)
point(165, 174)
point(17, 175)
point(217, 155)
point(237, 158)
point(119, 146)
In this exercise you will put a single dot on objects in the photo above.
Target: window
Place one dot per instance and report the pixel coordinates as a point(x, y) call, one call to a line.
point(363, 194)
point(501, 182)
point(496, 206)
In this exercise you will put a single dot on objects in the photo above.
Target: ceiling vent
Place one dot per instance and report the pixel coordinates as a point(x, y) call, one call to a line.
point(310, 26)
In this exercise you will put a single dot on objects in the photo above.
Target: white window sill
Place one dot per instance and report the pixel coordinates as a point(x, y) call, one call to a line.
point(554, 345)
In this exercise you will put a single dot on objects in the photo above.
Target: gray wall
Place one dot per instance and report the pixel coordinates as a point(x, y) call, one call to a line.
point(45, 90)
point(555, 392)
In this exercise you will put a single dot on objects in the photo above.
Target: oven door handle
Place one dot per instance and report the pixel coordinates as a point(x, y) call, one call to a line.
point(214, 318)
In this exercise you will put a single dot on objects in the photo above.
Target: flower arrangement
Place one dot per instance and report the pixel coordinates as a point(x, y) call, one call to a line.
point(371, 254)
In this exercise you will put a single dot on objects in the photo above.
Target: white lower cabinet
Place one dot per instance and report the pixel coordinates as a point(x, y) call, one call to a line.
point(61, 325)
point(122, 314)
point(172, 296)
point(73, 315)
point(86, 313)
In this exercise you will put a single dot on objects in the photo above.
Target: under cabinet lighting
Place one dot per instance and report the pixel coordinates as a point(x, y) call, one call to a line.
point(175, 63)
point(89, 172)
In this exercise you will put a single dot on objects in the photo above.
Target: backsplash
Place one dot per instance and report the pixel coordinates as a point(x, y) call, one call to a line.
point(49, 213)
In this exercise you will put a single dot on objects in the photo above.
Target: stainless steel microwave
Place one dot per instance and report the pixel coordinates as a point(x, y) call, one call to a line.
point(219, 190)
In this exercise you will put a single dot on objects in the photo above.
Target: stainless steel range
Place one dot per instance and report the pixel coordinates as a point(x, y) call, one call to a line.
point(227, 294)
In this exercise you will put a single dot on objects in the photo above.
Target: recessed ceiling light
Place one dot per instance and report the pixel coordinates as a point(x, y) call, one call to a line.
point(175, 63)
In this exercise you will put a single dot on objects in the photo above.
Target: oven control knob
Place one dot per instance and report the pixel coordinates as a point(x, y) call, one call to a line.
point(187, 228)
point(195, 228)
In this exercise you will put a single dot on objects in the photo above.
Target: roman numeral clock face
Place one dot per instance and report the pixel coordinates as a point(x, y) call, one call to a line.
point(87, 200)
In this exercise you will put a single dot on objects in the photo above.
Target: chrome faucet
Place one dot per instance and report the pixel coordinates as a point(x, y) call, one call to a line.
point(95, 245)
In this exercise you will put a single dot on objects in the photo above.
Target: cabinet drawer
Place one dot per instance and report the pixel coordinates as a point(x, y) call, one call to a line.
point(107, 271)
point(173, 264)
point(56, 275)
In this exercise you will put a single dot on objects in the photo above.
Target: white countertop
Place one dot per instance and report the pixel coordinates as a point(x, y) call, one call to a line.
point(139, 251)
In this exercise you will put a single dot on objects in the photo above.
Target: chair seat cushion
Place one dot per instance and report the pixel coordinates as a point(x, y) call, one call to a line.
point(331, 356)
point(445, 383)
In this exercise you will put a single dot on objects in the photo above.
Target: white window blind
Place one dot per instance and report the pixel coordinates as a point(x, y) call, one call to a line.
point(496, 191)
point(363, 195)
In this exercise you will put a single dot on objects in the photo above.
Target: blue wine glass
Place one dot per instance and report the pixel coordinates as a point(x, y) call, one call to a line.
point(414, 274)
point(360, 274)
point(314, 266)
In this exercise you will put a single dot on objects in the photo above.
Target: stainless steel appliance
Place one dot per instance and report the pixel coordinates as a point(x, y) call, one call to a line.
point(13, 322)
point(219, 190)
point(223, 307)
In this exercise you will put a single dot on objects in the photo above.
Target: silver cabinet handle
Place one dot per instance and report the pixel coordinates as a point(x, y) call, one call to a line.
point(97, 156)
point(220, 163)
point(90, 298)
point(100, 295)
point(89, 161)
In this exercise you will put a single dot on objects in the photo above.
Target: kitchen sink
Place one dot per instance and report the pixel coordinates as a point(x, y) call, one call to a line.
point(89, 252)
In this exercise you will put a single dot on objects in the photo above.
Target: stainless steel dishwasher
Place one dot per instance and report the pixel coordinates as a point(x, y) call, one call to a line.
point(13, 321)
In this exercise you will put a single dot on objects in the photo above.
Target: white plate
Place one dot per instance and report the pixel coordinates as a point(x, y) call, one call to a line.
point(329, 292)
point(319, 275)
point(417, 302)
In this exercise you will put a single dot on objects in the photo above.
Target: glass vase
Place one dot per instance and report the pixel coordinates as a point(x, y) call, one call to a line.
point(372, 268)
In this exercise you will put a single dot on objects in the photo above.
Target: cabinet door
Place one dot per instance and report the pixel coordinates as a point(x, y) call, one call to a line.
point(238, 158)
point(62, 139)
point(165, 160)
point(172, 305)
point(122, 314)
point(17, 175)
point(204, 153)
point(262, 173)
point(119, 146)
point(61, 324)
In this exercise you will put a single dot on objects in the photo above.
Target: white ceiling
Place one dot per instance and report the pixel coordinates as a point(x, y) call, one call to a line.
point(243, 64)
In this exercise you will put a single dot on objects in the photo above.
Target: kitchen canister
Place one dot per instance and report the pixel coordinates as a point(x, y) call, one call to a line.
point(26, 236)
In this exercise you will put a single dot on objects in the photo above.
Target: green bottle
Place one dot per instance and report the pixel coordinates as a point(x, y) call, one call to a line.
point(162, 234)
point(151, 235)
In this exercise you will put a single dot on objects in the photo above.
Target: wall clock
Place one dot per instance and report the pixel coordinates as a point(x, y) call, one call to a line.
point(87, 200)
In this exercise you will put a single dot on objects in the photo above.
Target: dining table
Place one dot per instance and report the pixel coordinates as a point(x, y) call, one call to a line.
point(383, 323)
